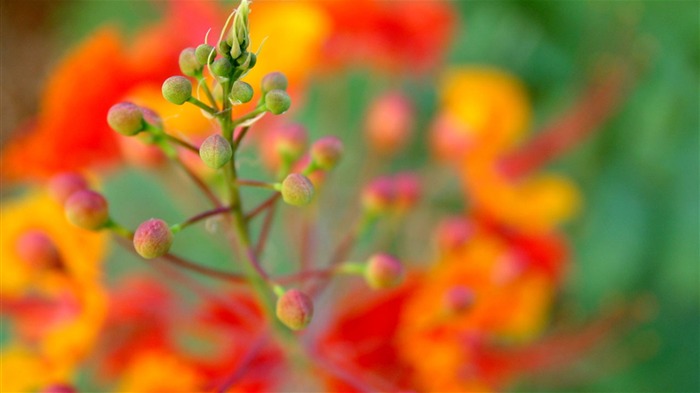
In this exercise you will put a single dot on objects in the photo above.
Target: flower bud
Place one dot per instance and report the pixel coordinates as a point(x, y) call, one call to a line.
point(125, 118)
point(63, 185)
point(224, 48)
point(87, 209)
point(277, 101)
point(59, 388)
point(453, 233)
point(326, 152)
point(153, 238)
point(383, 271)
point(177, 89)
point(241, 92)
point(215, 151)
point(458, 299)
point(35, 248)
point(151, 117)
point(408, 190)
point(297, 190)
point(389, 123)
point(379, 195)
point(222, 67)
point(189, 65)
point(203, 54)
point(274, 81)
point(289, 141)
point(295, 309)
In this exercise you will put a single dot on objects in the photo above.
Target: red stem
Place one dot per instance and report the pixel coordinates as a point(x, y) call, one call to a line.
point(261, 207)
point(265, 231)
point(205, 189)
point(584, 118)
point(241, 368)
point(204, 215)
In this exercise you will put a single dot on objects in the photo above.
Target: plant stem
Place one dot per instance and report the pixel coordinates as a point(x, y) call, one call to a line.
point(182, 143)
point(200, 217)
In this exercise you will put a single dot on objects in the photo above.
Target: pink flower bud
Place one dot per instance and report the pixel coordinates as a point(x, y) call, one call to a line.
point(408, 190)
point(453, 233)
point(153, 238)
point(389, 123)
point(63, 185)
point(38, 250)
point(326, 152)
point(379, 195)
point(87, 209)
point(297, 190)
point(383, 271)
point(59, 388)
point(125, 118)
point(458, 299)
point(295, 309)
point(289, 141)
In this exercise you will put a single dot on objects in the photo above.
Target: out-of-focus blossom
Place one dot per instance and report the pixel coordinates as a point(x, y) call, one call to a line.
point(56, 311)
point(389, 123)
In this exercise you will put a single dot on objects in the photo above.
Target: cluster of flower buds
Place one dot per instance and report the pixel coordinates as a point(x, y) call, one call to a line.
point(295, 160)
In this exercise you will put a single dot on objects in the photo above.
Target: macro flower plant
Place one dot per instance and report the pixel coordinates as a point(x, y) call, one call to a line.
point(470, 317)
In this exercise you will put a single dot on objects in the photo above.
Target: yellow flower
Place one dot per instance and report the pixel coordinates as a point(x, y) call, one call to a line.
point(65, 338)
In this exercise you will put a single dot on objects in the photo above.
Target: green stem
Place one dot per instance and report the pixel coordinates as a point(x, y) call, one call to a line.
point(203, 106)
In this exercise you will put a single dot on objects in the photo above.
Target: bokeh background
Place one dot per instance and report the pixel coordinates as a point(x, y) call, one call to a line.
point(638, 232)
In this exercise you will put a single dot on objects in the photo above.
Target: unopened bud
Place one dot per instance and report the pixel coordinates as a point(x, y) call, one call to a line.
point(189, 65)
point(222, 67)
point(215, 151)
point(389, 123)
point(241, 92)
point(204, 55)
point(35, 248)
point(458, 299)
point(224, 48)
point(151, 117)
point(59, 388)
point(153, 238)
point(295, 309)
point(125, 118)
point(177, 89)
point(383, 271)
point(87, 209)
point(289, 141)
point(297, 190)
point(274, 81)
point(453, 233)
point(326, 152)
point(379, 195)
point(63, 185)
point(408, 190)
point(277, 101)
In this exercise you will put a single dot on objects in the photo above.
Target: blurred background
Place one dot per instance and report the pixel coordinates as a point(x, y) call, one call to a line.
point(638, 232)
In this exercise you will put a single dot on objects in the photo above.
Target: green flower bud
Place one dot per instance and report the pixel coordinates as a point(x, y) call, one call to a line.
point(326, 152)
point(125, 118)
point(277, 101)
point(297, 190)
point(222, 67)
point(383, 271)
point(241, 92)
point(295, 309)
point(224, 49)
point(87, 209)
point(177, 89)
point(189, 65)
point(203, 54)
point(63, 185)
point(274, 81)
point(153, 238)
point(215, 151)
point(240, 38)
